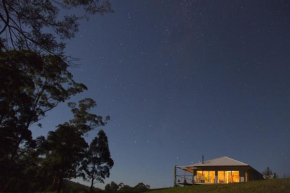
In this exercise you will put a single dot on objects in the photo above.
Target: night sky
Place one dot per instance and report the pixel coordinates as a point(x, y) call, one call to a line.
point(182, 79)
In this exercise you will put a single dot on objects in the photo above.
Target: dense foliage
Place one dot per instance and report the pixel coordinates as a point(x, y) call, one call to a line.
point(31, 85)
point(42, 164)
point(113, 187)
point(99, 162)
point(37, 25)
point(268, 174)
point(73, 187)
point(34, 79)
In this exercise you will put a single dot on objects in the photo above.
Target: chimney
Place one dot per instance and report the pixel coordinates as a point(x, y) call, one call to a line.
point(202, 159)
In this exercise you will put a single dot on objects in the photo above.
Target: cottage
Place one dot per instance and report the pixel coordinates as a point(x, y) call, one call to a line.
point(221, 170)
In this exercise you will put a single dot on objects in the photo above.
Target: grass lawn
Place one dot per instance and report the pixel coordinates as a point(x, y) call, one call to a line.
point(263, 186)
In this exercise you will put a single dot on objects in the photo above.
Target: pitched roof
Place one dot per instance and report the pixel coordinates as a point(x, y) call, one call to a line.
point(221, 161)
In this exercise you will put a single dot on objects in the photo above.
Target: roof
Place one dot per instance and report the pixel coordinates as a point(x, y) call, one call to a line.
point(221, 161)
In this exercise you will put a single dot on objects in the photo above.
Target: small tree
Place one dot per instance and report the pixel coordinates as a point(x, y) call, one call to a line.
point(99, 162)
point(268, 174)
point(141, 187)
point(126, 188)
point(112, 187)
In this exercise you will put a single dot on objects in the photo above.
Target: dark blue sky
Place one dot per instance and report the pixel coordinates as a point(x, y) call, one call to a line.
point(181, 79)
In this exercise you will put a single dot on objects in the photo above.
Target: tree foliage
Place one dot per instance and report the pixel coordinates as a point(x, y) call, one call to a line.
point(113, 187)
point(65, 150)
point(36, 24)
point(141, 187)
point(268, 174)
point(34, 79)
point(31, 85)
point(83, 120)
point(99, 162)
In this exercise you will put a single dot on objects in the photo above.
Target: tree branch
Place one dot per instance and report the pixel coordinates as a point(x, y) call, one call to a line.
point(7, 16)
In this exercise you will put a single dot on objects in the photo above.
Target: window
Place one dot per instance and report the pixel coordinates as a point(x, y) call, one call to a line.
point(212, 177)
point(221, 177)
point(226, 177)
point(207, 177)
point(236, 176)
point(198, 176)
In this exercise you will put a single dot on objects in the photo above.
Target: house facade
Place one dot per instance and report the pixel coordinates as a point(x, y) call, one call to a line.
point(223, 170)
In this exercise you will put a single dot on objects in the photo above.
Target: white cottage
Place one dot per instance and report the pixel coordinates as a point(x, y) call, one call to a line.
point(221, 170)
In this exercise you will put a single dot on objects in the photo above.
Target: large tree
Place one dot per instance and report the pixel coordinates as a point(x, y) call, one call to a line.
point(31, 85)
point(99, 162)
point(65, 150)
point(33, 68)
point(37, 25)
point(34, 75)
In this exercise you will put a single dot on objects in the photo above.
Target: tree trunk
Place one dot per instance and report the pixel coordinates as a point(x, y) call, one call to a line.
point(92, 184)
point(59, 186)
point(53, 184)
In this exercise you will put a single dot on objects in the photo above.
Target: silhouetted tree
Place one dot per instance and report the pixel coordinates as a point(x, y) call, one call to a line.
point(37, 25)
point(23, 173)
point(66, 148)
point(99, 161)
point(112, 187)
point(34, 78)
point(31, 85)
point(268, 174)
point(126, 188)
point(83, 120)
point(141, 187)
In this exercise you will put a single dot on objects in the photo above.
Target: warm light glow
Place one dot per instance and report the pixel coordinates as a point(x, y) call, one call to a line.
point(221, 177)
point(236, 176)
point(229, 177)
point(206, 177)
point(225, 177)
point(212, 177)
point(198, 176)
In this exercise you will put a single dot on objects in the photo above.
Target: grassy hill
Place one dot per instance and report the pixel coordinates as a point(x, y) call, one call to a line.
point(73, 187)
point(263, 186)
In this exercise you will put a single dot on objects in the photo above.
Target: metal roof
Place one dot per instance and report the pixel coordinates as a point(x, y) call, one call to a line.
point(221, 161)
